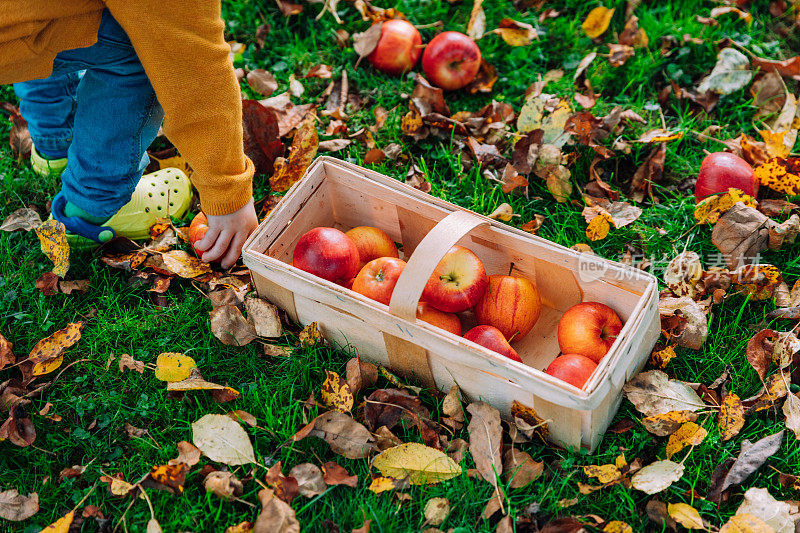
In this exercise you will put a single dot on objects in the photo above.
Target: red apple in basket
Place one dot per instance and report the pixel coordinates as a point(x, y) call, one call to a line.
point(197, 230)
point(511, 304)
point(327, 253)
point(447, 321)
point(372, 243)
point(491, 338)
point(398, 48)
point(588, 329)
point(378, 278)
point(451, 60)
point(457, 282)
point(573, 368)
point(721, 171)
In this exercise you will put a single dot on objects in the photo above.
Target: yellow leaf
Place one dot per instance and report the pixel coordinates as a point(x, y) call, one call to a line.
point(45, 367)
point(774, 141)
point(51, 348)
point(603, 473)
point(689, 434)
point(759, 281)
point(61, 525)
point(731, 416)
point(620, 461)
point(503, 212)
point(309, 336)
point(174, 366)
point(617, 526)
point(382, 484)
point(336, 393)
point(597, 21)
point(746, 523)
point(709, 210)
point(419, 463)
point(174, 161)
point(779, 174)
point(516, 33)
point(667, 423)
point(598, 227)
point(304, 147)
point(685, 515)
point(661, 358)
point(184, 265)
point(195, 381)
point(53, 240)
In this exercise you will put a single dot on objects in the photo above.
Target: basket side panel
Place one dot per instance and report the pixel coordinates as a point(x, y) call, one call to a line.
point(283, 298)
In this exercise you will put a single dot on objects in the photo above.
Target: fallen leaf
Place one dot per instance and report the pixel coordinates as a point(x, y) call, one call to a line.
point(618, 55)
point(321, 71)
point(657, 477)
point(791, 410)
point(360, 374)
point(304, 149)
point(597, 21)
point(174, 366)
point(689, 434)
point(335, 393)
point(385, 407)
point(710, 209)
point(334, 145)
point(476, 25)
point(19, 138)
point(264, 317)
point(780, 174)
point(666, 424)
point(62, 525)
point(649, 172)
point(169, 477)
point(243, 416)
point(683, 321)
point(222, 440)
point(188, 454)
point(520, 469)
point(310, 336)
point(6, 352)
point(261, 134)
point(16, 507)
point(381, 484)
point(286, 487)
point(723, 10)
point(276, 515)
point(436, 511)
point(309, 479)
point(225, 485)
point(335, 474)
point(365, 527)
point(24, 218)
point(745, 523)
point(632, 35)
point(788, 68)
point(751, 457)
point(365, 42)
point(686, 515)
point(230, 327)
point(760, 503)
point(47, 354)
point(731, 416)
point(195, 381)
point(184, 265)
point(604, 473)
point(485, 434)
point(262, 82)
point(344, 435)
point(53, 241)
point(653, 393)
point(418, 463)
point(516, 33)
point(730, 73)
point(502, 212)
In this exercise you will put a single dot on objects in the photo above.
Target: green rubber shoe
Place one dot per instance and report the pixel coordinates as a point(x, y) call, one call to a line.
point(160, 194)
point(47, 168)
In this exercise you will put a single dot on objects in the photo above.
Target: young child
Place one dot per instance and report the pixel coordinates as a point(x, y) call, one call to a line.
point(95, 78)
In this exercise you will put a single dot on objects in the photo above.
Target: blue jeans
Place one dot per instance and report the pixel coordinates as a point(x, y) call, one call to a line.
point(99, 110)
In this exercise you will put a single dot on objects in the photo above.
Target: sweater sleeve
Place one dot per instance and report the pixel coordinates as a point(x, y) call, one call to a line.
point(182, 47)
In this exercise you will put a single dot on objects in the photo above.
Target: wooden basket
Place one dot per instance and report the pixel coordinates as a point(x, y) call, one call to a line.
point(338, 194)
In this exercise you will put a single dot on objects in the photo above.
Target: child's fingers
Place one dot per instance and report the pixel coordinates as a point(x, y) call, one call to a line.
point(234, 250)
point(219, 248)
point(208, 240)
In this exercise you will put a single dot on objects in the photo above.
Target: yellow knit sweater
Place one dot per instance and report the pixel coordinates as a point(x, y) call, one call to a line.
point(182, 48)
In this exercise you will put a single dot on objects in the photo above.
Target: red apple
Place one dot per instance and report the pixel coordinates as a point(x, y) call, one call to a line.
point(398, 48)
point(492, 338)
point(327, 253)
point(378, 278)
point(588, 329)
point(447, 321)
point(372, 243)
point(457, 283)
point(721, 171)
point(451, 60)
point(510, 304)
point(197, 230)
point(573, 368)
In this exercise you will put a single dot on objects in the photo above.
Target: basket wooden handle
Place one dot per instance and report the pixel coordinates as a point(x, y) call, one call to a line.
point(423, 261)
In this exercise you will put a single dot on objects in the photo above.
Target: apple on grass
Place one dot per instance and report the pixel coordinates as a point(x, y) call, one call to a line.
point(447, 321)
point(451, 60)
point(398, 48)
point(721, 171)
point(457, 282)
point(372, 243)
point(197, 230)
point(511, 304)
point(573, 368)
point(493, 339)
point(588, 329)
point(378, 278)
point(327, 253)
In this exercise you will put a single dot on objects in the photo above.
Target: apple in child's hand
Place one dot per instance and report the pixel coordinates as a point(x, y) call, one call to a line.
point(197, 230)
point(573, 368)
point(457, 282)
point(372, 243)
point(327, 253)
point(493, 339)
point(447, 321)
point(588, 329)
point(511, 304)
point(451, 60)
point(398, 48)
point(378, 278)
point(721, 171)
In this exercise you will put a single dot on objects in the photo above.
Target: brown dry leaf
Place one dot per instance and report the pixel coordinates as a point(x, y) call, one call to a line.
point(261, 133)
point(195, 381)
point(169, 477)
point(243, 416)
point(723, 10)
point(486, 435)
point(126, 362)
point(364, 527)
point(47, 354)
point(188, 454)
point(286, 487)
point(22, 219)
point(264, 317)
point(436, 511)
point(476, 25)
point(653, 393)
point(452, 409)
point(365, 42)
point(418, 463)
point(520, 469)
point(276, 515)
point(649, 172)
point(731, 416)
point(511, 179)
point(597, 21)
point(757, 281)
point(632, 35)
point(780, 516)
point(19, 137)
point(758, 355)
point(184, 265)
point(502, 212)
point(241, 527)
point(775, 388)
point(230, 327)
point(262, 82)
point(360, 374)
point(661, 358)
point(528, 421)
point(53, 240)
point(16, 507)
point(686, 515)
point(745, 523)
point(791, 410)
point(689, 434)
point(618, 55)
point(484, 80)
point(277, 351)
point(684, 321)
point(416, 178)
point(225, 485)
point(385, 439)
point(751, 457)
point(788, 68)
point(516, 33)
point(6, 352)
point(666, 424)
point(18, 428)
point(657, 477)
point(321, 71)
point(304, 148)
point(334, 474)
point(533, 225)
point(385, 407)
point(344, 435)
point(288, 8)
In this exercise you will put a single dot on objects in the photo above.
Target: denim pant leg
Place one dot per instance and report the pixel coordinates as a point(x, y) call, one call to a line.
point(117, 117)
point(49, 107)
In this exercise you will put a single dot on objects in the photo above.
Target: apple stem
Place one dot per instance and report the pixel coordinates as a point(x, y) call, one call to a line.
point(510, 268)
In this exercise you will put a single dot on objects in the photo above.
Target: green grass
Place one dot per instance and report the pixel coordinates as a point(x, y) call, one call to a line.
point(96, 402)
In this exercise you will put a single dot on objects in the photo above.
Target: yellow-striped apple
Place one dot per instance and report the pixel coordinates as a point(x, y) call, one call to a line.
point(491, 338)
point(511, 304)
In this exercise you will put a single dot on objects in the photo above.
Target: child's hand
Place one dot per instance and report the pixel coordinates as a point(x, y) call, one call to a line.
point(226, 235)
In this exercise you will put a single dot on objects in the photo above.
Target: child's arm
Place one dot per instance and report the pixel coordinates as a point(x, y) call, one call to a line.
point(182, 48)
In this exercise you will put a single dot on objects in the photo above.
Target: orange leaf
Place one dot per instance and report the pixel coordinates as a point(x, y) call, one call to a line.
point(597, 21)
point(304, 148)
